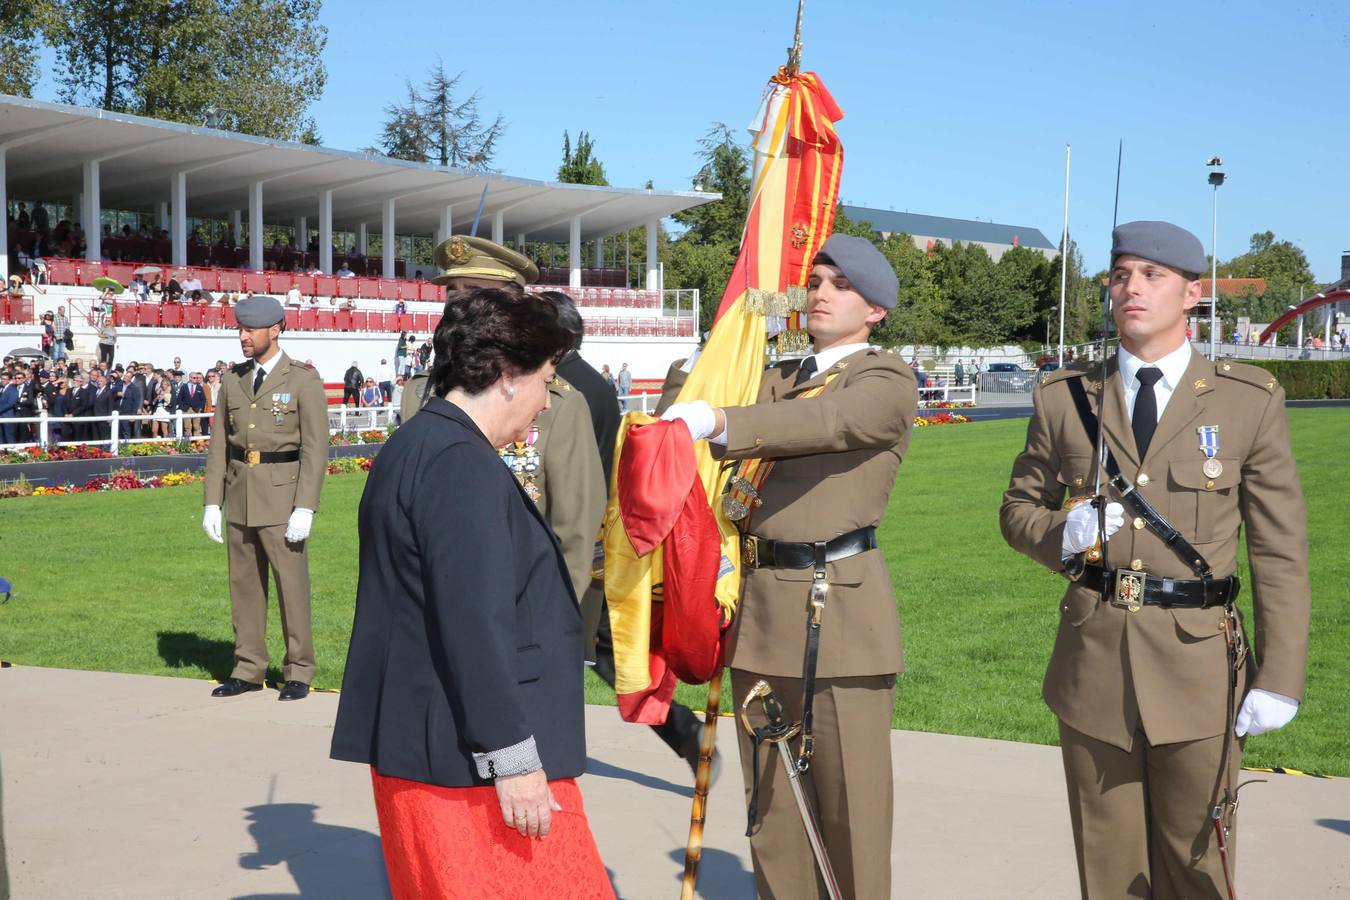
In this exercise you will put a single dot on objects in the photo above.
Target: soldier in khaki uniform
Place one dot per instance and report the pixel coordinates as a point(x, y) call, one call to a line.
point(265, 465)
point(835, 425)
point(1141, 669)
point(559, 464)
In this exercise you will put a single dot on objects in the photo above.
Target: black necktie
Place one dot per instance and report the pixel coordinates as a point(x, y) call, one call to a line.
point(258, 379)
point(805, 371)
point(1145, 418)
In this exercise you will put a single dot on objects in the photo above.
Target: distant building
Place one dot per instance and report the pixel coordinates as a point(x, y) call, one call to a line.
point(928, 231)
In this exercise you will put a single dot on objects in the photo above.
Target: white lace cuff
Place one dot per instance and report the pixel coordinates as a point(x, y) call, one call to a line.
point(514, 760)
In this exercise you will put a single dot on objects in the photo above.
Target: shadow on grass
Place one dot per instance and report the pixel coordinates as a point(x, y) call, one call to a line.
point(324, 860)
point(188, 650)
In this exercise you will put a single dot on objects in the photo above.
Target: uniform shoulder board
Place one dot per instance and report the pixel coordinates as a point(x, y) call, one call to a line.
point(243, 368)
point(560, 384)
point(1071, 370)
point(1249, 374)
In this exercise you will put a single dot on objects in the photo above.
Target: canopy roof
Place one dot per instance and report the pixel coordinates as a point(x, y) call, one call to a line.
point(48, 143)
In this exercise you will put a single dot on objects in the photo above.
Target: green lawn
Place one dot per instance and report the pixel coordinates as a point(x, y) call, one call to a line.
point(127, 582)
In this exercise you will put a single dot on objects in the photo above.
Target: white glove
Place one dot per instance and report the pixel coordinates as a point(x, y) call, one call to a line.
point(1264, 711)
point(297, 527)
point(1080, 529)
point(211, 523)
point(697, 416)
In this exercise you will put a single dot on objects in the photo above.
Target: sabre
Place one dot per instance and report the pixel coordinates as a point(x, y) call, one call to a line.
point(1098, 500)
point(778, 732)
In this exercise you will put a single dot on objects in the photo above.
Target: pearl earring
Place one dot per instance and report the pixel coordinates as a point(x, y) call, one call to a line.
point(510, 390)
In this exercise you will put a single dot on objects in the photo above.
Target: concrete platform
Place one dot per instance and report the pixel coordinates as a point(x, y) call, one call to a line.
point(124, 786)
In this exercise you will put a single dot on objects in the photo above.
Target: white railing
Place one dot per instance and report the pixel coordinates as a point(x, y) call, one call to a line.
point(1266, 351)
point(639, 402)
point(947, 393)
point(341, 420)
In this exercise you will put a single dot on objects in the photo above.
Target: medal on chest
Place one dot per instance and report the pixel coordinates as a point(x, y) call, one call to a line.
point(1209, 445)
point(522, 458)
point(279, 402)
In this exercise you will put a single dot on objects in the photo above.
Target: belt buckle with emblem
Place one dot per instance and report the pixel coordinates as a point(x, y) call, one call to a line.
point(252, 457)
point(750, 551)
point(1129, 592)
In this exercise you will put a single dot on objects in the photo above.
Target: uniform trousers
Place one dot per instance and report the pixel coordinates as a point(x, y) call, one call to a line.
point(849, 786)
point(251, 551)
point(1141, 819)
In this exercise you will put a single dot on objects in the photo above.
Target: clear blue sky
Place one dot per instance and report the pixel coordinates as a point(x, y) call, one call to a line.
point(956, 109)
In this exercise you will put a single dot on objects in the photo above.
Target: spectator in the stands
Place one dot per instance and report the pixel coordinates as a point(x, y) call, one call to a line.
point(23, 221)
point(156, 287)
point(174, 290)
point(138, 287)
point(345, 272)
point(61, 325)
point(351, 385)
point(400, 308)
point(401, 353)
point(161, 405)
point(40, 220)
point(386, 373)
point(396, 398)
point(293, 296)
point(191, 400)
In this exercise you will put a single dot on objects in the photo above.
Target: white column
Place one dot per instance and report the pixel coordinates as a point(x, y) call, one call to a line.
point(164, 221)
point(4, 223)
point(498, 227)
point(326, 232)
point(653, 275)
point(387, 230)
point(91, 213)
point(236, 223)
point(301, 232)
point(447, 227)
point(520, 242)
point(178, 227)
point(600, 252)
point(574, 253)
point(255, 225)
point(362, 244)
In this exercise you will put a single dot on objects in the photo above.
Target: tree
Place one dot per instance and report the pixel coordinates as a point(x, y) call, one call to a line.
point(1021, 287)
point(921, 315)
point(435, 125)
point(245, 65)
point(20, 25)
point(1282, 264)
point(581, 166)
point(725, 170)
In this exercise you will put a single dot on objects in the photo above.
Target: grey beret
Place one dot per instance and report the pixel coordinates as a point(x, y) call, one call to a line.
point(863, 265)
point(259, 312)
point(1160, 242)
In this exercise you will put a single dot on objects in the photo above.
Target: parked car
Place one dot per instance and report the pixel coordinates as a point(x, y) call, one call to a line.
point(1006, 378)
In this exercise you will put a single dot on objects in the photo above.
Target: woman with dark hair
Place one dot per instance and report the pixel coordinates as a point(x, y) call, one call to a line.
point(463, 687)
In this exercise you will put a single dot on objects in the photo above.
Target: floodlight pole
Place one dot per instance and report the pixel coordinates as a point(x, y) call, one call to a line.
point(1214, 280)
point(1064, 256)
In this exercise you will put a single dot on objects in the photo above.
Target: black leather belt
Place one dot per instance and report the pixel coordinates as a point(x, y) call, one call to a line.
point(761, 553)
point(1130, 590)
point(253, 457)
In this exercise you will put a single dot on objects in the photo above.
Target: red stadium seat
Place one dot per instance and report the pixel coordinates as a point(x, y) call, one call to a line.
point(280, 282)
point(430, 292)
point(309, 319)
point(230, 321)
point(148, 315)
point(405, 322)
point(121, 271)
point(192, 316)
point(255, 282)
point(231, 280)
point(171, 314)
point(366, 287)
point(360, 320)
point(124, 312)
point(214, 317)
point(326, 320)
point(386, 289)
point(325, 286)
point(347, 287)
point(292, 318)
point(88, 271)
point(306, 285)
point(343, 320)
point(63, 271)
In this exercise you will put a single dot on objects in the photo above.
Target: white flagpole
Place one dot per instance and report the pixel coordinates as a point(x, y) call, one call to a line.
point(1064, 256)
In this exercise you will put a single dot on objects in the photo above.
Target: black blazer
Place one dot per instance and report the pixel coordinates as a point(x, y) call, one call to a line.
point(467, 636)
point(191, 403)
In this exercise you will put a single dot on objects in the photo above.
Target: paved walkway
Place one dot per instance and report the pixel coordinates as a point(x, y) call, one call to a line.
point(126, 786)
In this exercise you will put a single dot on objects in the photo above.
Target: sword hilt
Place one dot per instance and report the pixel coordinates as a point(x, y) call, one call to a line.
point(776, 728)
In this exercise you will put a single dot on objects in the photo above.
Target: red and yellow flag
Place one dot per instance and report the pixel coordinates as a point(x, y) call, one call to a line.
point(795, 189)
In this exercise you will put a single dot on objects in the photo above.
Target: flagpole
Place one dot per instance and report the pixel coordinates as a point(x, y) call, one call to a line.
point(1064, 256)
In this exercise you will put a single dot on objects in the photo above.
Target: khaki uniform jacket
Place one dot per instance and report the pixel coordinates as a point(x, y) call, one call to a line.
point(412, 397)
point(265, 494)
point(571, 479)
point(836, 460)
point(1112, 669)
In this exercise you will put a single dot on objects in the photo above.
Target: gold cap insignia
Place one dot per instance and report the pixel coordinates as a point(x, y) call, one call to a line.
point(458, 252)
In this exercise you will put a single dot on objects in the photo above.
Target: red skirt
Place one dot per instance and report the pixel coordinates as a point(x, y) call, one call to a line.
point(451, 842)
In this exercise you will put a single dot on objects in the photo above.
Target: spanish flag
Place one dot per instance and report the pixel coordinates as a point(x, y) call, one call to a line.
point(795, 189)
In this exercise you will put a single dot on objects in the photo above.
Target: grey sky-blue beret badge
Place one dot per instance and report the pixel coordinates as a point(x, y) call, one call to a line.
point(1160, 242)
point(259, 312)
point(863, 265)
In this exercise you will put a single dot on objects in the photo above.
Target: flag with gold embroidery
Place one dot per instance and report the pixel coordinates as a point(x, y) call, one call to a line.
point(794, 192)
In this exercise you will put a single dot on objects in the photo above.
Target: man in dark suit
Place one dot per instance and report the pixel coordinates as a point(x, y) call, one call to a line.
point(26, 406)
point(129, 404)
point(81, 404)
point(9, 403)
point(351, 386)
point(103, 403)
point(191, 399)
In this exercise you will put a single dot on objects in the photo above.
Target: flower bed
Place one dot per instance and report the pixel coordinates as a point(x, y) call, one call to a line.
point(128, 480)
point(347, 439)
point(940, 419)
point(947, 404)
point(161, 448)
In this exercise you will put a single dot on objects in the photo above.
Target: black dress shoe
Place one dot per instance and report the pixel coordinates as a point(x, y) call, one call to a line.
point(293, 690)
point(233, 687)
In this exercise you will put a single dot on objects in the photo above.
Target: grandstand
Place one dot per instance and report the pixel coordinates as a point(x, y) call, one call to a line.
point(207, 195)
